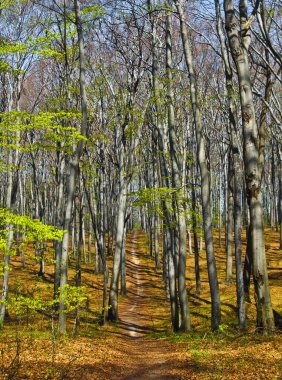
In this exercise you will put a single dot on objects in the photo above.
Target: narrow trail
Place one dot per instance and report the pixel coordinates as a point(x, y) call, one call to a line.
point(134, 318)
point(146, 358)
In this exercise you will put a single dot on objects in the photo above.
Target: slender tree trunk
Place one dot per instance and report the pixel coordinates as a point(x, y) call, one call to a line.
point(230, 205)
point(172, 281)
point(156, 240)
point(12, 187)
point(166, 263)
point(219, 210)
point(204, 171)
point(239, 45)
point(248, 266)
point(58, 220)
point(279, 151)
point(123, 264)
point(113, 299)
point(89, 244)
point(196, 246)
point(150, 234)
point(74, 172)
point(22, 190)
point(78, 259)
point(169, 259)
point(238, 253)
point(176, 171)
point(65, 243)
point(100, 253)
point(272, 189)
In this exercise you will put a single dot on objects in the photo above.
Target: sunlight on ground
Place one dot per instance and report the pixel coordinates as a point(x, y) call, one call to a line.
point(140, 346)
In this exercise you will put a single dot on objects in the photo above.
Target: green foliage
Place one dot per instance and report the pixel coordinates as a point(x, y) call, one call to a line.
point(74, 296)
point(53, 129)
point(4, 67)
point(222, 328)
point(24, 306)
point(47, 46)
point(8, 49)
point(6, 3)
point(154, 197)
point(20, 305)
point(12, 47)
point(154, 194)
point(34, 229)
point(92, 12)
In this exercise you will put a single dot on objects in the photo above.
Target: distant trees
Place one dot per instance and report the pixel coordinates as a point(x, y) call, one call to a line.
point(163, 116)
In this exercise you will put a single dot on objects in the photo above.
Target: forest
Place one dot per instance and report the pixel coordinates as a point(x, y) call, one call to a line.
point(140, 189)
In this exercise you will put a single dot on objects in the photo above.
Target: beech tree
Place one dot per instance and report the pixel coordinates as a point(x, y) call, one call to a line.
point(253, 144)
point(204, 171)
point(155, 116)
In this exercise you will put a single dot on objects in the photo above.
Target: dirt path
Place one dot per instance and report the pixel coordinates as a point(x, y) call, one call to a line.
point(146, 358)
point(134, 317)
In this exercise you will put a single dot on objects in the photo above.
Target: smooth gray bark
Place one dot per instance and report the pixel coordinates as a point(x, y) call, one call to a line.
point(169, 262)
point(238, 253)
point(10, 234)
point(239, 45)
point(229, 237)
point(73, 173)
point(123, 264)
point(279, 151)
point(113, 297)
point(196, 244)
point(172, 280)
point(204, 171)
point(180, 238)
point(59, 219)
point(10, 202)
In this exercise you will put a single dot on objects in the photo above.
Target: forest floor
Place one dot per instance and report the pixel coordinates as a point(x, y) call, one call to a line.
point(140, 346)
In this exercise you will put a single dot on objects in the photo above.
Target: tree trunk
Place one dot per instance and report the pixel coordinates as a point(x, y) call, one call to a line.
point(180, 253)
point(123, 264)
point(230, 205)
point(238, 252)
point(12, 187)
point(74, 172)
point(204, 172)
point(156, 240)
point(196, 246)
point(239, 49)
point(172, 281)
point(279, 152)
point(113, 298)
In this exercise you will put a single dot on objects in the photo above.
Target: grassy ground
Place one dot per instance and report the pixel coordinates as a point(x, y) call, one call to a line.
point(141, 346)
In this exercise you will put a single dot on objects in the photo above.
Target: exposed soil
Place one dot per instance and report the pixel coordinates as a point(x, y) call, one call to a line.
point(147, 358)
